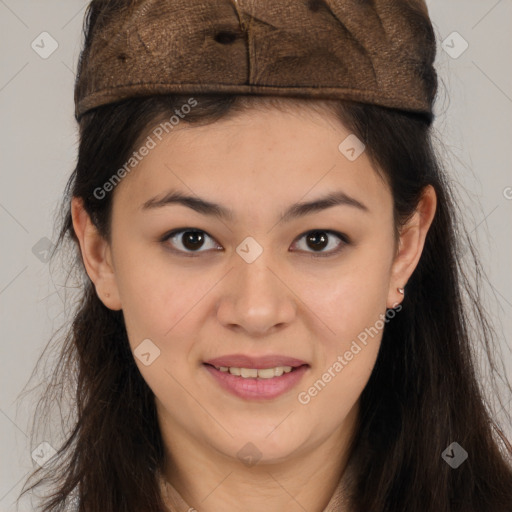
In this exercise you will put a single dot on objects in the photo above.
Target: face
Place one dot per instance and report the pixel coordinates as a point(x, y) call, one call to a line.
point(267, 284)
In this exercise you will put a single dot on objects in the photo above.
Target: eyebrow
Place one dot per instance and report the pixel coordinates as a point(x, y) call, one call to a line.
point(295, 211)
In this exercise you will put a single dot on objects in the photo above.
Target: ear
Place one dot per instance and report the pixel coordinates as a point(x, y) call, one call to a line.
point(96, 255)
point(410, 246)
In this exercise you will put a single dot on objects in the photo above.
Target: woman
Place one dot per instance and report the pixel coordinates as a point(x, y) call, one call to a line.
point(272, 311)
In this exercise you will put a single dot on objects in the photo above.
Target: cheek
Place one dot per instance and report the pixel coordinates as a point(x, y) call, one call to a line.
point(349, 298)
point(156, 296)
point(341, 299)
point(159, 307)
point(354, 312)
point(353, 308)
point(351, 305)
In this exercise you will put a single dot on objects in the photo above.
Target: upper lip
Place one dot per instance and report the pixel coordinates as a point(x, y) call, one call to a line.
point(259, 362)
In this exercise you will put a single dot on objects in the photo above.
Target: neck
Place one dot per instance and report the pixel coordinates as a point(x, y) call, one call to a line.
point(305, 481)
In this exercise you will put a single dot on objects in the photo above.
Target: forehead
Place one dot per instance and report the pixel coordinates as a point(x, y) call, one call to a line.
point(254, 159)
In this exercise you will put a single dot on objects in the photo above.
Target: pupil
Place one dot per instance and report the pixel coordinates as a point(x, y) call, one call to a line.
point(191, 239)
point(318, 239)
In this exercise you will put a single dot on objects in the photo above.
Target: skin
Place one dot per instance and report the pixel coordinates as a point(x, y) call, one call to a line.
point(257, 163)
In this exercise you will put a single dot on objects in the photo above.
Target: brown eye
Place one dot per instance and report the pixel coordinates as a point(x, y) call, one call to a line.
point(187, 240)
point(318, 240)
point(192, 240)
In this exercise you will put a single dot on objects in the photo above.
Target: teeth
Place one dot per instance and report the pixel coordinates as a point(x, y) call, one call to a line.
point(248, 373)
point(252, 373)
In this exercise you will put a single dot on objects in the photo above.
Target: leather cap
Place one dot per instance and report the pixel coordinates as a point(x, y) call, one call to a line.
point(372, 51)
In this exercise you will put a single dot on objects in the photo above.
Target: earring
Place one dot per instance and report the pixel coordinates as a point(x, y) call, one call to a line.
point(400, 290)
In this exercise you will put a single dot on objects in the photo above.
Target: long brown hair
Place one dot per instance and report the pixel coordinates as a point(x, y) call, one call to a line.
point(424, 392)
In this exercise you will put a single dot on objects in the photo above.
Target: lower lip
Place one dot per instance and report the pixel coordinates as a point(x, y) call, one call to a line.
point(257, 389)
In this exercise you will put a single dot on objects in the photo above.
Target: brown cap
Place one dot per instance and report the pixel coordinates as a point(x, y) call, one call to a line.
point(380, 52)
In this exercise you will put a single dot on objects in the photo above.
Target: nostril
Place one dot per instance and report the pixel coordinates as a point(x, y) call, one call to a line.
point(225, 37)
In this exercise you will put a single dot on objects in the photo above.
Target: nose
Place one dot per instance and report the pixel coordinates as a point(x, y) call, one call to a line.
point(256, 298)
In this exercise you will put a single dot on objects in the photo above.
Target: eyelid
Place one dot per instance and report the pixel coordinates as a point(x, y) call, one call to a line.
point(345, 240)
point(175, 232)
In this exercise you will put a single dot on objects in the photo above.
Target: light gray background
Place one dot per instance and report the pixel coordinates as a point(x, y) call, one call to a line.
point(38, 151)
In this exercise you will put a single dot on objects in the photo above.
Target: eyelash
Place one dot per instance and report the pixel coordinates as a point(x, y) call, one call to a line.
point(344, 241)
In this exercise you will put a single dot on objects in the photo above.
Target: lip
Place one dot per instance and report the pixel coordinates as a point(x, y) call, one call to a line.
point(255, 388)
point(259, 362)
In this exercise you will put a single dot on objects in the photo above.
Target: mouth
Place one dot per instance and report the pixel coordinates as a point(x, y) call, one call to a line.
point(256, 373)
point(255, 383)
point(255, 362)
